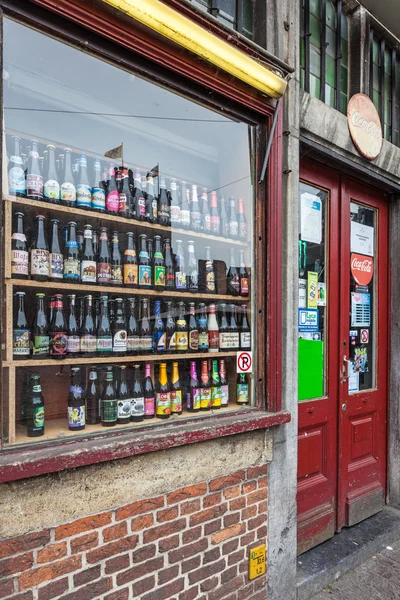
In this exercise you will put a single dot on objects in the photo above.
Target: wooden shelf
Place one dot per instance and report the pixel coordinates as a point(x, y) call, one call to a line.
point(144, 225)
point(93, 360)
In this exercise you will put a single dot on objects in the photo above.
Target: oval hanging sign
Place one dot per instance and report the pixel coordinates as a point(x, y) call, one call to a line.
point(365, 126)
point(362, 268)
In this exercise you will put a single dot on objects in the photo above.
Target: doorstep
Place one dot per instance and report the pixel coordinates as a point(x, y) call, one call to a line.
point(345, 551)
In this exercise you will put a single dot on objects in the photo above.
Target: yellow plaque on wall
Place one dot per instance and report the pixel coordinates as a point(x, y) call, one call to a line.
point(257, 561)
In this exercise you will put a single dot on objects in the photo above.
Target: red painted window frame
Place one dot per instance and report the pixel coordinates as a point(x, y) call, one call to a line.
point(16, 463)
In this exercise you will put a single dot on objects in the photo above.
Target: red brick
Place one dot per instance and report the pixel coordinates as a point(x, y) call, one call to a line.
point(167, 591)
point(249, 486)
point(82, 525)
point(187, 551)
point(211, 555)
point(212, 500)
point(230, 546)
point(232, 492)
point(190, 535)
point(237, 503)
point(16, 564)
point(46, 573)
point(257, 496)
point(258, 471)
point(259, 596)
point(190, 564)
point(54, 589)
point(261, 532)
point(190, 506)
point(263, 507)
point(209, 584)
point(260, 583)
point(52, 552)
point(243, 567)
point(212, 527)
point(223, 482)
point(256, 522)
point(22, 543)
point(115, 531)
point(228, 575)
point(84, 542)
point(87, 575)
point(139, 507)
point(143, 586)
point(248, 538)
point(191, 594)
point(167, 574)
point(118, 547)
point(92, 590)
point(168, 543)
point(245, 592)
point(223, 590)
point(231, 519)
point(191, 491)
point(206, 571)
point(249, 512)
point(122, 594)
point(139, 570)
point(6, 588)
point(163, 530)
point(236, 557)
point(24, 596)
point(167, 514)
point(227, 533)
point(119, 563)
point(142, 522)
point(262, 482)
point(208, 514)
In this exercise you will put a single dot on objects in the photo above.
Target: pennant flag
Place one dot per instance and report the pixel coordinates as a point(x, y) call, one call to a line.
point(154, 171)
point(115, 152)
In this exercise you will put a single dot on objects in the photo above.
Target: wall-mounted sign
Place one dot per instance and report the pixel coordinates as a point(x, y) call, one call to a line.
point(362, 268)
point(365, 126)
point(308, 320)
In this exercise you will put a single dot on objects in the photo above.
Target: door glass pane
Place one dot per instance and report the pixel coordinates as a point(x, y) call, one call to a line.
point(312, 292)
point(363, 265)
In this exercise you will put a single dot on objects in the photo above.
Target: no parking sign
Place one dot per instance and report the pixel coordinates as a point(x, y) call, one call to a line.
point(244, 362)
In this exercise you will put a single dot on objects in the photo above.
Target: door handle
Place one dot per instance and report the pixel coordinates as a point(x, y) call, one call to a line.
point(345, 369)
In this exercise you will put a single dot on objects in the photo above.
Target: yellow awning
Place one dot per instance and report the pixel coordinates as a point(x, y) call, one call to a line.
point(188, 34)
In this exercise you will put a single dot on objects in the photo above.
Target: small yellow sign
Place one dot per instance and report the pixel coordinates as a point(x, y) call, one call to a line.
point(257, 560)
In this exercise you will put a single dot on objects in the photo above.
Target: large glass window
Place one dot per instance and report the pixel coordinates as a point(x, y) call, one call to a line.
point(128, 248)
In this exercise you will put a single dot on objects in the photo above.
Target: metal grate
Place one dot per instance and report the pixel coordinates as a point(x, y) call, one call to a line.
point(236, 14)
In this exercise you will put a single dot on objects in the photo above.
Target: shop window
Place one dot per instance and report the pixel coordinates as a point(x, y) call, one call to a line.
point(324, 51)
point(128, 219)
point(235, 14)
point(384, 85)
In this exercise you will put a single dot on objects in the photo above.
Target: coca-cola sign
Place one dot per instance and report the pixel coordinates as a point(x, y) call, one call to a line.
point(365, 126)
point(362, 268)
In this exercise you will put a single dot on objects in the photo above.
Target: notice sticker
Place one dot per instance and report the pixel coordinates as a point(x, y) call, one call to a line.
point(310, 218)
point(354, 382)
point(360, 310)
point(308, 320)
point(364, 336)
point(244, 362)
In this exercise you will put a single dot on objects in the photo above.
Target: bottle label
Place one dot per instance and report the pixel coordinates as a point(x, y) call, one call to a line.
point(210, 278)
point(194, 340)
point(112, 201)
point(88, 271)
point(98, 199)
point(104, 344)
point(37, 388)
point(83, 196)
point(176, 401)
point(195, 218)
point(172, 343)
point(58, 304)
point(41, 345)
point(159, 276)
point(21, 237)
point(182, 340)
point(235, 283)
point(149, 407)
point(56, 265)
point(142, 207)
point(120, 341)
point(76, 416)
point(19, 262)
point(34, 185)
point(207, 222)
point(116, 274)
point(233, 228)
point(193, 280)
point(124, 408)
point(195, 396)
point(51, 189)
point(203, 340)
point(92, 375)
point(243, 230)
point(130, 274)
point(184, 217)
point(71, 268)
point(216, 396)
point(215, 224)
point(103, 272)
point(213, 339)
point(21, 342)
point(40, 262)
point(244, 286)
point(180, 280)
point(122, 202)
point(163, 403)
point(146, 343)
point(138, 407)
point(245, 339)
point(144, 275)
point(133, 343)
point(170, 281)
point(159, 341)
point(242, 393)
point(68, 192)
point(88, 343)
point(38, 417)
point(155, 208)
point(109, 410)
point(16, 177)
point(58, 343)
point(175, 215)
point(205, 397)
point(228, 340)
point(224, 395)
point(73, 344)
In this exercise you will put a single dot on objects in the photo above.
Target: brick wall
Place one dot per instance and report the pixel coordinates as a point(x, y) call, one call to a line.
point(189, 544)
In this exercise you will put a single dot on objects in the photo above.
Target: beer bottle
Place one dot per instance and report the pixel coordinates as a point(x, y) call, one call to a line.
point(242, 222)
point(88, 264)
point(58, 330)
point(83, 187)
point(158, 264)
point(242, 389)
point(215, 218)
point(233, 224)
point(112, 195)
point(163, 204)
point(224, 332)
point(137, 397)
point(176, 391)
point(120, 337)
point(51, 308)
point(151, 200)
point(138, 210)
point(202, 328)
point(88, 331)
point(40, 259)
point(244, 276)
point(158, 330)
point(76, 402)
point(92, 397)
point(184, 215)
point(124, 193)
point(206, 222)
point(233, 280)
point(81, 301)
point(34, 177)
point(40, 330)
point(56, 257)
point(224, 222)
point(195, 214)
point(67, 188)
point(180, 271)
point(16, 173)
point(192, 271)
point(210, 272)
point(205, 387)
point(146, 341)
point(233, 329)
point(51, 188)
point(193, 329)
point(170, 329)
point(60, 167)
point(169, 267)
point(21, 331)
point(149, 394)
point(95, 244)
point(80, 240)
point(104, 259)
point(133, 329)
point(193, 394)
point(150, 253)
point(130, 262)
point(104, 335)
point(72, 262)
point(116, 263)
point(111, 310)
point(216, 392)
point(163, 398)
point(213, 330)
point(74, 340)
point(224, 384)
point(35, 408)
point(96, 311)
point(175, 206)
point(144, 264)
point(123, 398)
point(98, 191)
point(182, 335)
point(19, 250)
point(109, 403)
point(245, 332)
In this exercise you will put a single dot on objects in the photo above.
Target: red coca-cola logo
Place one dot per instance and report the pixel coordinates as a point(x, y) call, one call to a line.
point(362, 268)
